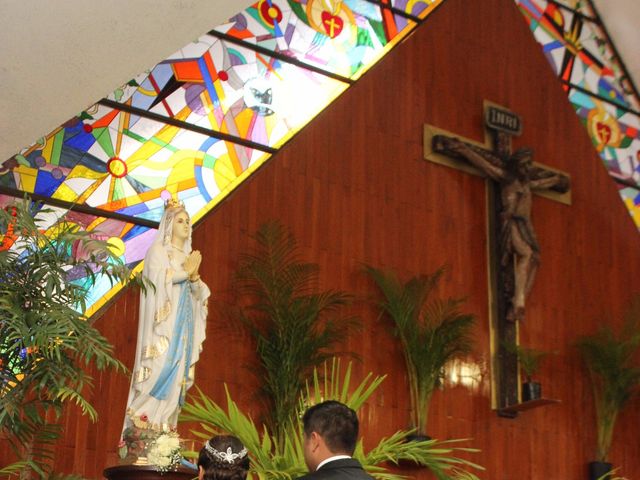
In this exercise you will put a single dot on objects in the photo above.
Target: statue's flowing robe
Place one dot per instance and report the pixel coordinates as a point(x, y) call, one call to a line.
point(171, 330)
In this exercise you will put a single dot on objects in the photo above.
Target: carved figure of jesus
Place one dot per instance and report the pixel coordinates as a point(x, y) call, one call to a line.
point(516, 178)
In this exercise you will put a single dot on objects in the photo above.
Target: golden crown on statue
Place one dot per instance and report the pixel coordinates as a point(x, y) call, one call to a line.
point(173, 203)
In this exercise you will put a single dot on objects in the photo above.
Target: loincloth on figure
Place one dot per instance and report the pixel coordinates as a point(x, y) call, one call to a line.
point(526, 232)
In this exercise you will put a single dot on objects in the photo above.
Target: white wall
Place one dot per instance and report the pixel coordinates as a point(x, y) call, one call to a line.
point(622, 21)
point(58, 57)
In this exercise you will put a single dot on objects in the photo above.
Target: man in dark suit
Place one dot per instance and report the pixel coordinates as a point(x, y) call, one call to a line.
point(330, 436)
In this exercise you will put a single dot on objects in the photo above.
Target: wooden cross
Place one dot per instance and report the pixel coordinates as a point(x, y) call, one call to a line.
point(513, 248)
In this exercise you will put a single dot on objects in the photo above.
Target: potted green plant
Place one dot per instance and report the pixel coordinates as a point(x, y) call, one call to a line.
point(295, 325)
point(612, 362)
point(529, 360)
point(46, 342)
point(432, 332)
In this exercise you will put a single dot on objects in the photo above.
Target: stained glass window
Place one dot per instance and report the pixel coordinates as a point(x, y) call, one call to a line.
point(341, 37)
point(580, 52)
point(229, 88)
point(417, 8)
point(200, 122)
point(615, 133)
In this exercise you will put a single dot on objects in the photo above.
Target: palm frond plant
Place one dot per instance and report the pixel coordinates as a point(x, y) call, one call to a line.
point(295, 325)
point(614, 371)
point(13, 470)
point(529, 360)
point(611, 476)
point(46, 343)
point(432, 332)
point(269, 460)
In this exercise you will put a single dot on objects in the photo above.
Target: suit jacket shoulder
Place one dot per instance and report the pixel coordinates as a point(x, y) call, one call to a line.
point(343, 469)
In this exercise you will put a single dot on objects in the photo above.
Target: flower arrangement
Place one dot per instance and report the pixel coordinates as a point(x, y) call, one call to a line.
point(165, 452)
point(135, 443)
point(142, 444)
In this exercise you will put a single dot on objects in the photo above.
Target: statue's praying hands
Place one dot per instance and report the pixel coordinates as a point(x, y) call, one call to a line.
point(192, 265)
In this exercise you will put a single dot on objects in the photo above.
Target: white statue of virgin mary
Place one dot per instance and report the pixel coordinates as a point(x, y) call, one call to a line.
point(171, 326)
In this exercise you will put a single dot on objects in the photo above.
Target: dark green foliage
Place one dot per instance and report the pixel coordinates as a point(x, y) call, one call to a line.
point(614, 369)
point(296, 327)
point(46, 343)
point(432, 332)
point(528, 358)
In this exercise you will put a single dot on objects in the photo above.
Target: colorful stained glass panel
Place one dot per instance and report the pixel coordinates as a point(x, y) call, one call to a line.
point(417, 8)
point(119, 162)
point(577, 50)
point(341, 37)
point(232, 89)
point(614, 132)
point(631, 198)
point(581, 55)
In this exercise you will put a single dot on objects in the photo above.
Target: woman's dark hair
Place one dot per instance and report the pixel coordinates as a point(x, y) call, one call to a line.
point(224, 457)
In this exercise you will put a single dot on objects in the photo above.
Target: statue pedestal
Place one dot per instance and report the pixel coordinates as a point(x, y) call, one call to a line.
point(147, 472)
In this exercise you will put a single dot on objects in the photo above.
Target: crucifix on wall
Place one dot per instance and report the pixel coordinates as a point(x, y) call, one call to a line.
point(514, 252)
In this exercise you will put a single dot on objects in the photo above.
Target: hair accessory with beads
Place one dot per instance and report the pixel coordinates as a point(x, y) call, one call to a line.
point(227, 456)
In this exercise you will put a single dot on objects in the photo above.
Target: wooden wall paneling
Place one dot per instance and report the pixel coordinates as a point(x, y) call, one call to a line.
point(354, 189)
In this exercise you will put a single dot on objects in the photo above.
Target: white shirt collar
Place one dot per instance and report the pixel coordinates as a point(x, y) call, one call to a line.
point(331, 459)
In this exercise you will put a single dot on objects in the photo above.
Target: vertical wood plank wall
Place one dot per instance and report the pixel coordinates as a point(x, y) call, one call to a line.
point(354, 189)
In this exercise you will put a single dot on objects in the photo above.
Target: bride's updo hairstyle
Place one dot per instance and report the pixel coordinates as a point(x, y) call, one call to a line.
point(224, 457)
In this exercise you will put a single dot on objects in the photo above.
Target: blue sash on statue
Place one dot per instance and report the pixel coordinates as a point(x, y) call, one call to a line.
point(181, 345)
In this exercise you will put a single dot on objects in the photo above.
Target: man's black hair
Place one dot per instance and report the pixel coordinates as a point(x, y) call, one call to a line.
point(336, 423)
